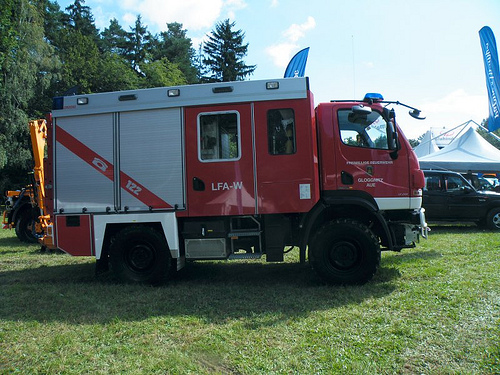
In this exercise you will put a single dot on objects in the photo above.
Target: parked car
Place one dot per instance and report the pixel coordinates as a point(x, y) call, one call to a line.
point(448, 196)
point(491, 178)
point(481, 183)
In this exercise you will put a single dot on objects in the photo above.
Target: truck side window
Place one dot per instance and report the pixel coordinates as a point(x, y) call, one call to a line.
point(218, 136)
point(363, 130)
point(281, 131)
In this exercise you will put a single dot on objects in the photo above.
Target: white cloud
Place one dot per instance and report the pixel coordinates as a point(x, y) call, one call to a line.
point(295, 32)
point(129, 19)
point(281, 53)
point(458, 104)
point(193, 14)
point(236, 4)
point(453, 109)
point(274, 3)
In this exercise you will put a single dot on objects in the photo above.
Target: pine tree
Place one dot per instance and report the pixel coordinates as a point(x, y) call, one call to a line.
point(114, 39)
point(224, 54)
point(174, 45)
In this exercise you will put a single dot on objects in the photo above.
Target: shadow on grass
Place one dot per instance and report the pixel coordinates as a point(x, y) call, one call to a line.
point(211, 291)
point(10, 241)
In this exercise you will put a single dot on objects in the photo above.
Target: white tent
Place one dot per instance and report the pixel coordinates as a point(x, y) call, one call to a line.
point(469, 152)
point(426, 146)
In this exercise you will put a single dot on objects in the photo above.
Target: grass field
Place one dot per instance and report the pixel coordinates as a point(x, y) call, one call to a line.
point(434, 309)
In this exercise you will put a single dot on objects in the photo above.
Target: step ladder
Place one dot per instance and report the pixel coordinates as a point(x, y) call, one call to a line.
point(251, 231)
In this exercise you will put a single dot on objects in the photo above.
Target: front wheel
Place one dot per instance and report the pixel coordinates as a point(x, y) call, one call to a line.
point(493, 219)
point(140, 255)
point(345, 252)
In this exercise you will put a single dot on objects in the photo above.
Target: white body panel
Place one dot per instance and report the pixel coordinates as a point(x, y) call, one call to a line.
point(167, 220)
point(399, 203)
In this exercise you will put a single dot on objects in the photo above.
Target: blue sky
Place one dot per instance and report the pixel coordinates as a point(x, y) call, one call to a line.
point(423, 53)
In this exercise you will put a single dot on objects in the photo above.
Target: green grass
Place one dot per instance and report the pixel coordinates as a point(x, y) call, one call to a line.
point(434, 309)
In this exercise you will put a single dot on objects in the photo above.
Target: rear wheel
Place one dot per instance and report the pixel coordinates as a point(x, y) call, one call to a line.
point(25, 225)
point(345, 252)
point(140, 255)
point(493, 219)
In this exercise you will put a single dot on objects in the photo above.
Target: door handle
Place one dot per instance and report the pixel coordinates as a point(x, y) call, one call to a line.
point(346, 178)
point(198, 184)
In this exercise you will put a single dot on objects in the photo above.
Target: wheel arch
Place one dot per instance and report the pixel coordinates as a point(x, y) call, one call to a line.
point(356, 208)
point(107, 226)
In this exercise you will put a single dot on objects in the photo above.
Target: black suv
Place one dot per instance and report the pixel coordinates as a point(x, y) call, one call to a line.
point(448, 196)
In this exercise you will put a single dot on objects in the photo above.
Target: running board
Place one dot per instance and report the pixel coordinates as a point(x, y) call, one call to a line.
point(245, 256)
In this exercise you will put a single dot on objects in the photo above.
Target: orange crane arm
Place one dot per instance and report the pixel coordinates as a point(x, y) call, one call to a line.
point(38, 132)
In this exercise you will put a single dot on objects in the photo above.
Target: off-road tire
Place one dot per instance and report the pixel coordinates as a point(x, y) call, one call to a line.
point(345, 251)
point(24, 227)
point(140, 254)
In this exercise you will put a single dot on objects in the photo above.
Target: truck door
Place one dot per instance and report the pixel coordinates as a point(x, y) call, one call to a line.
point(364, 159)
point(463, 203)
point(219, 158)
point(286, 156)
point(435, 200)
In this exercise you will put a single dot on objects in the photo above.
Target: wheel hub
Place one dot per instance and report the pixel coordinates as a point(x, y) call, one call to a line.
point(344, 255)
point(140, 257)
point(496, 220)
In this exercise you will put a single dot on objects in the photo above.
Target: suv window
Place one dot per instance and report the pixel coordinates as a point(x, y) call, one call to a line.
point(433, 183)
point(455, 183)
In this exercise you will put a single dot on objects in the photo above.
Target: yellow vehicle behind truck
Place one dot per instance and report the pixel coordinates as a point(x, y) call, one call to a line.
point(24, 208)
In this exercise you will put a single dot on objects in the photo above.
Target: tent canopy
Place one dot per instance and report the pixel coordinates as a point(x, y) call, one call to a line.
point(427, 145)
point(469, 152)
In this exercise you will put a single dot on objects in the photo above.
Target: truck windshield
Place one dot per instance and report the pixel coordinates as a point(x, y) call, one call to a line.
point(363, 130)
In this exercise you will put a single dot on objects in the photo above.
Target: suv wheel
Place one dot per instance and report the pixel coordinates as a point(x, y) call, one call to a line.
point(493, 219)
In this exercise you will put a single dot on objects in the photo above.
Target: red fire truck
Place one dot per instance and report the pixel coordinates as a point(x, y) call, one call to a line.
point(147, 179)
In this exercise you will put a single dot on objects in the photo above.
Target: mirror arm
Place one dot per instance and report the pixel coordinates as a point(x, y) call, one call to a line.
point(415, 113)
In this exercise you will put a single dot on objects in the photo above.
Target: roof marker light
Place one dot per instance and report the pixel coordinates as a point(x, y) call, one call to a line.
point(274, 85)
point(218, 90)
point(173, 92)
point(123, 98)
point(373, 96)
point(82, 101)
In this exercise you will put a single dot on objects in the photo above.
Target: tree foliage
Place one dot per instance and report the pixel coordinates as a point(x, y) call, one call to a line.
point(26, 61)
point(224, 54)
point(46, 52)
point(492, 137)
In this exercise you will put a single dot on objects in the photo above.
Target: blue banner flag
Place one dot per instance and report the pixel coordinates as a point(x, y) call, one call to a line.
point(490, 56)
point(297, 65)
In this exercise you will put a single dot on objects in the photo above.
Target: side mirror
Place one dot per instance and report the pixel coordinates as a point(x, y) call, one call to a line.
point(416, 114)
point(392, 134)
point(361, 110)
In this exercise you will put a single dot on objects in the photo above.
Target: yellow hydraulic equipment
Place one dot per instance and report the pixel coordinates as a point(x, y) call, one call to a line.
point(38, 132)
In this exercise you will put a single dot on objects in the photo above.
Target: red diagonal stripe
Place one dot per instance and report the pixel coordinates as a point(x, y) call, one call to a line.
point(103, 166)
